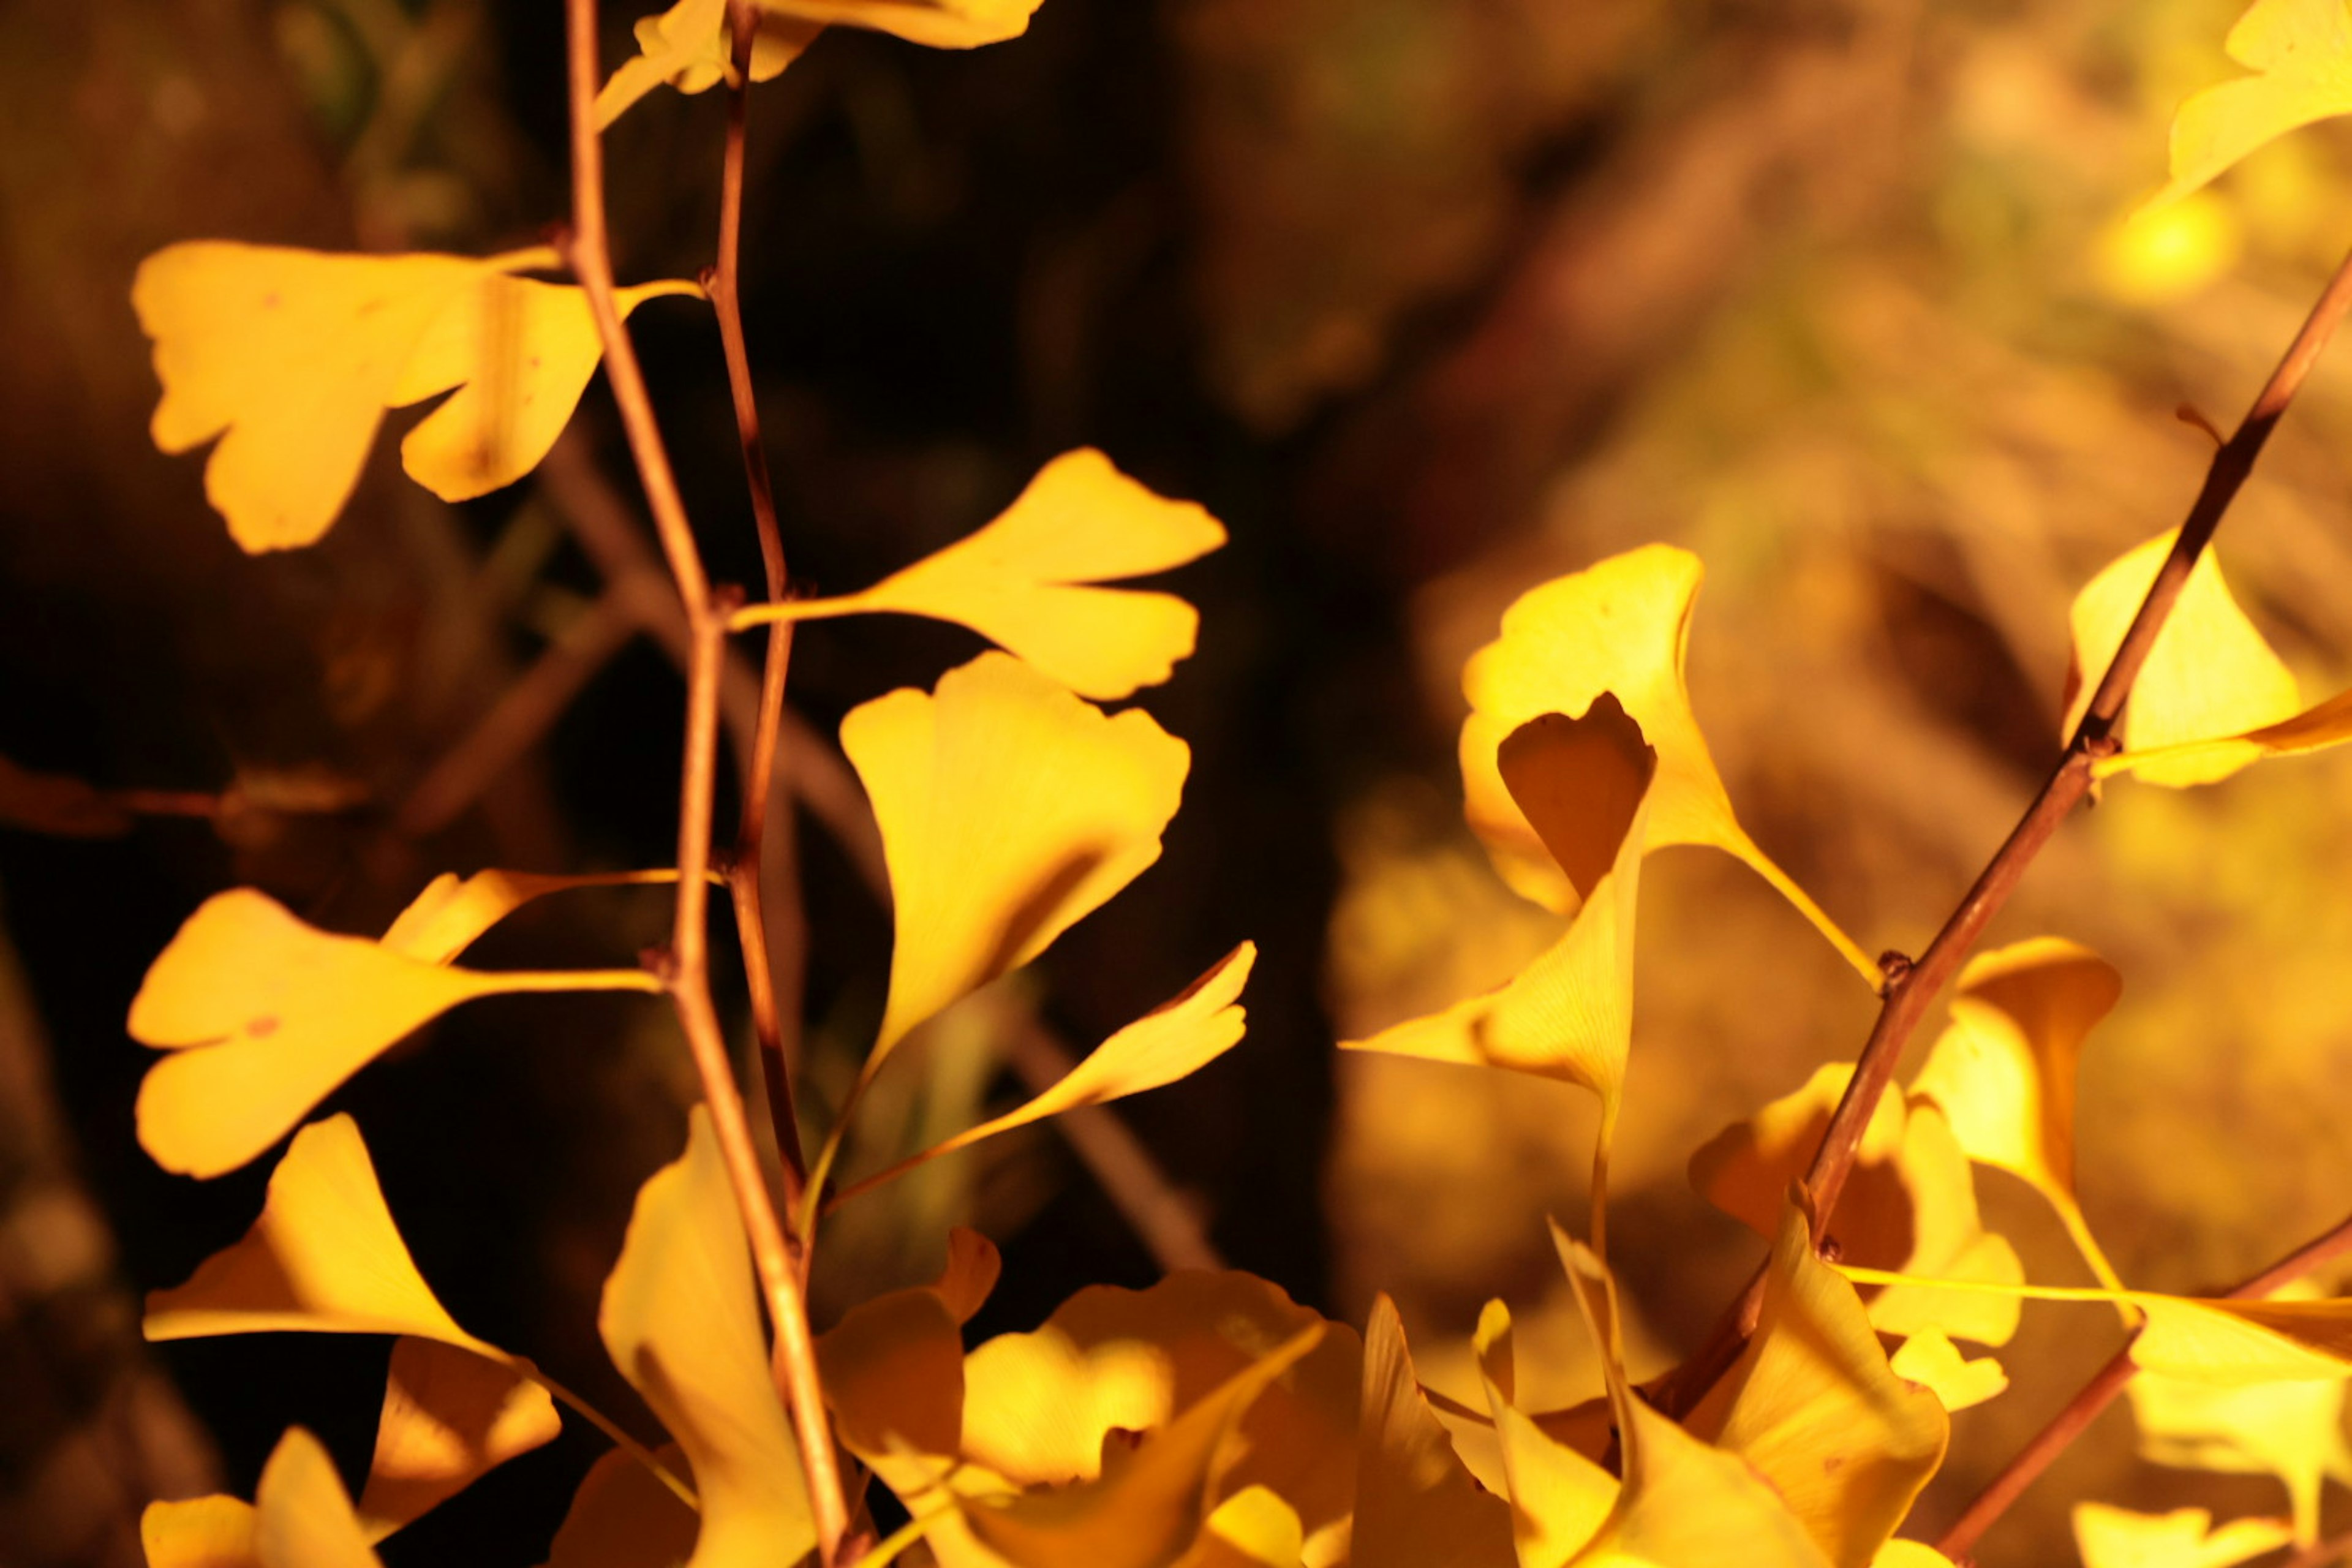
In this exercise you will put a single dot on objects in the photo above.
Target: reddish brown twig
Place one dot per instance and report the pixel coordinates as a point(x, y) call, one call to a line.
point(587, 249)
point(2096, 1395)
point(1910, 989)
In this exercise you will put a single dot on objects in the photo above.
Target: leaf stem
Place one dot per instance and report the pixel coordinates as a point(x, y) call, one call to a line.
point(1910, 988)
point(2096, 1395)
point(588, 249)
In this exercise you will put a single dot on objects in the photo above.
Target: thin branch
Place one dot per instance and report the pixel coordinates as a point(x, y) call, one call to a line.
point(2100, 1392)
point(1912, 986)
point(768, 1021)
point(588, 249)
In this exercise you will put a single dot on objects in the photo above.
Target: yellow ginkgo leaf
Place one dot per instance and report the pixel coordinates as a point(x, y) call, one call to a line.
point(200, 1533)
point(265, 1016)
point(893, 1367)
point(941, 23)
point(1910, 1203)
point(1909, 1554)
point(690, 48)
point(1175, 1039)
point(2302, 53)
point(303, 1516)
point(1009, 810)
point(520, 354)
point(1620, 626)
point(2208, 675)
point(2291, 1430)
point(1684, 1504)
point(680, 1318)
point(2111, 1537)
point(1587, 783)
point(1251, 1529)
point(1146, 1504)
point(1416, 1504)
point(1813, 1404)
point(453, 911)
point(324, 1257)
point(1031, 581)
point(623, 1517)
point(449, 1417)
point(2003, 1071)
point(1930, 1358)
point(2316, 729)
point(1559, 1498)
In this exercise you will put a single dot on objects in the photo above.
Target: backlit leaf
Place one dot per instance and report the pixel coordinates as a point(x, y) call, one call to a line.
point(680, 1318)
point(1620, 627)
point(1559, 1498)
point(2314, 729)
point(1009, 810)
point(2112, 1537)
point(2209, 673)
point(265, 1016)
point(200, 1533)
point(304, 1518)
point(2004, 1070)
point(1416, 1504)
point(1251, 1529)
point(324, 1257)
point(2291, 1430)
point(2301, 51)
point(449, 1417)
point(1031, 581)
point(1813, 1404)
point(520, 354)
point(941, 23)
point(1930, 1358)
point(689, 46)
point(453, 911)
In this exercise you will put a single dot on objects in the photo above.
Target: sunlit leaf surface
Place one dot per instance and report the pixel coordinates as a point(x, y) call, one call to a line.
point(942, 24)
point(1559, 1498)
point(1930, 1358)
point(1416, 1504)
point(689, 47)
point(2301, 53)
point(449, 1417)
point(2111, 1537)
point(304, 1516)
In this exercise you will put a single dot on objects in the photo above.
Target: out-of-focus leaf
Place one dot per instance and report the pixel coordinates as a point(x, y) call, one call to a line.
point(1930, 1358)
point(2003, 1072)
point(2291, 1430)
point(265, 1016)
point(520, 354)
point(2111, 1537)
point(449, 1417)
point(2314, 729)
point(1172, 1041)
point(1009, 810)
point(690, 48)
point(1619, 626)
point(1814, 1406)
point(1911, 1196)
point(2209, 673)
point(1031, 581)
point(1685, 1503)
point(200, 1533)
point(324, 1257)
point(1416, 1504)
point(622, 1516)
point(2301, 53)
point(1909, 1554)
point(941, 23)
point(1559, 1498)
point(56, 803)
point(304, 1518)
point(680, 1318)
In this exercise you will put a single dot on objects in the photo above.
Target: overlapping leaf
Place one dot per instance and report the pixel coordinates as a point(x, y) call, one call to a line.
point(1813, 1404)
point(449, 1417)
point(1559, 1499)
point(1009, 809)
point(2004, 1070)
point(2301, 53)
point(2316, 729)
point(1929, 1359)
point(2209, 674)
point(453, 911)
point(1620, 626)
point(263, 1016)
point(623, 1517)
point(1032, 581)
point(691, 48)
point(680, 1318)
point(1416, 1503)
point(2291, 1430)
point(2112, 1537)
point(290, 357)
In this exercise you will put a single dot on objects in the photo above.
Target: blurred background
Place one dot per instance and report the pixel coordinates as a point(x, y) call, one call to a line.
point(1429, 300)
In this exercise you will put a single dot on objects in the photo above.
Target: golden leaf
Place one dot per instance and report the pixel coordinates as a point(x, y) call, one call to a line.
point(2291, 1430)
point(303, 1516)
point(449, 1417)
point(1559, 1499)
point(1620, 626)
point(2301, 51)
point(623, 1517)
point(200, 1533)
point(689, 46)
point(681, 1320)
point(1416, 1504)
point(2316, 729)
point(2112, 1537)
point(1009, 809)
point(265, 1016)
point(1930, 1358)
point(941, 23)
point(1251, 1529)
point(1031, 581)
point(453, 911)
point(1813, 1404)
point(2209, 673)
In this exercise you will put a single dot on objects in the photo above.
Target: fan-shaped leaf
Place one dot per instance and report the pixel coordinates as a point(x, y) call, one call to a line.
point(2117, 1538)
point(2301, 51)
point(689, 46)
point(941, 23)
